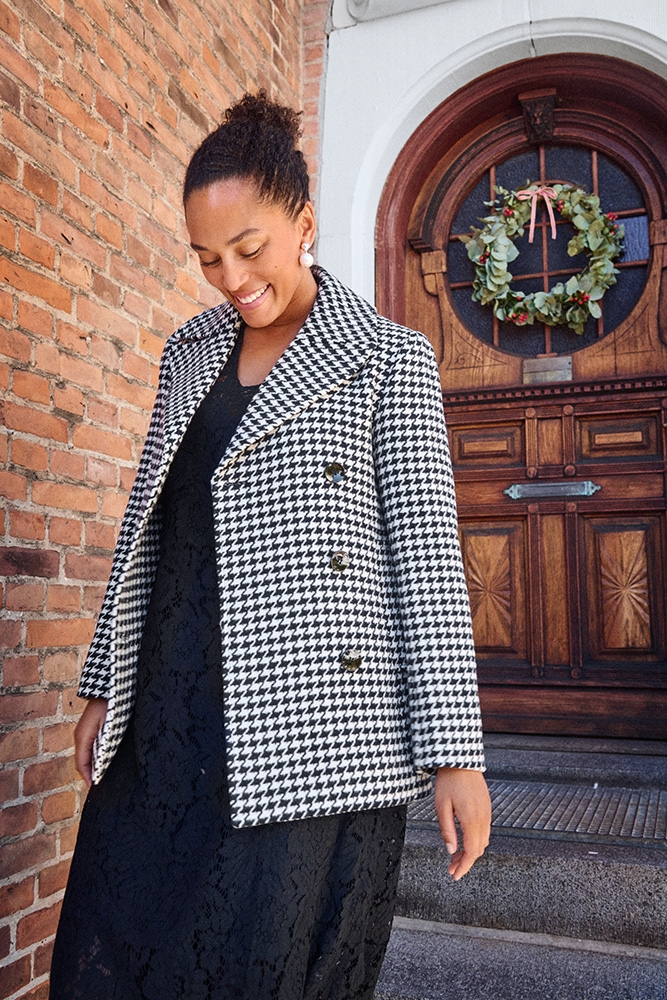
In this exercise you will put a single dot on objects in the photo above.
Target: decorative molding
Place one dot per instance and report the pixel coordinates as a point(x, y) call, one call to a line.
point(434, 265)
point(538, 113)
point(657, 232)
point(584, 390)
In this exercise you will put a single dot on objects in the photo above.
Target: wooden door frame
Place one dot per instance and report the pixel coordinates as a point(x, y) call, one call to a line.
point(626, 103)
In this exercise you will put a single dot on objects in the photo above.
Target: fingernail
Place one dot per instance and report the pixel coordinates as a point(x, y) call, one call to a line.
point(450, 847)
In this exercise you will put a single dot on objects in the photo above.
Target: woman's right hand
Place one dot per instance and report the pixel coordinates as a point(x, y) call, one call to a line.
point(85, 733)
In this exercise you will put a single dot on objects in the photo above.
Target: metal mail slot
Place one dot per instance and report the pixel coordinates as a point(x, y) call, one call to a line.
point(533, 491)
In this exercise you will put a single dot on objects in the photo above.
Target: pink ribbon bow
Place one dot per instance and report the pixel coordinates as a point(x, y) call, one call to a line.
point(541, 192)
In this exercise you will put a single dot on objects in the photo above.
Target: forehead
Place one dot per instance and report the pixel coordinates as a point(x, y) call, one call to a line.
point(228, 208)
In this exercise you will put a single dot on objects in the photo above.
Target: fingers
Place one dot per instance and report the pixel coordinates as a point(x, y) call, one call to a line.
point(85, 734)
point(463, 793)
point(448, 827)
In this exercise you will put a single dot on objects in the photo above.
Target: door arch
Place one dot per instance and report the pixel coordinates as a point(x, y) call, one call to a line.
point(559, 454)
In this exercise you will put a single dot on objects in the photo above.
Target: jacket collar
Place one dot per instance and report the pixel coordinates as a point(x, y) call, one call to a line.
point(334, 343)
point(336, 340)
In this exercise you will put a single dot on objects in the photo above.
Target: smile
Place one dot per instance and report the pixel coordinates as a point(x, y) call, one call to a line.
point(246, 300)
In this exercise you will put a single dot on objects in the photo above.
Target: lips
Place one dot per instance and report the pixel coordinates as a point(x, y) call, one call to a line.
point(247, 300)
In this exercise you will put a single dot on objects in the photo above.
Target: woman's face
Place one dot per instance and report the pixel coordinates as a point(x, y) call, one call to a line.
point(249, 250)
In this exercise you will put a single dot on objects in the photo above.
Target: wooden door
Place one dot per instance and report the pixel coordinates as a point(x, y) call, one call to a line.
point(558, 440)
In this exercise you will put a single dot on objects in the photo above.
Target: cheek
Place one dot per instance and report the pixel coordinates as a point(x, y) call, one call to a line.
point(212, 277)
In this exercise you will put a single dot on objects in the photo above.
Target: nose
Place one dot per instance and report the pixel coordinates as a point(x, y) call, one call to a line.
point(234, 274)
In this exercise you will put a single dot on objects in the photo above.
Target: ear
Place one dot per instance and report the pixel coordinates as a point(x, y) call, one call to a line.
point(306, 224)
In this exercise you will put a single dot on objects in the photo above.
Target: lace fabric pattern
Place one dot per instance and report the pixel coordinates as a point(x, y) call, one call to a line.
point(166, 900)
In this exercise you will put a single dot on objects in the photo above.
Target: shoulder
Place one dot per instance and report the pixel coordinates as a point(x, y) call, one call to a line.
point(392, 340)
point(208, 325)
point(404, 342)
point(204, 325)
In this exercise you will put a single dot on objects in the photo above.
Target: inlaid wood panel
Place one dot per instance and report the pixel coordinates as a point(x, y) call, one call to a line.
point(488, 445)
point(494, 561)
point(622, 583)
point(604, 438)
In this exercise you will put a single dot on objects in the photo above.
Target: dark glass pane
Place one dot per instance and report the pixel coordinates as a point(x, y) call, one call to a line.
point(459, 265)
point(566, 341)
point(635, 241)
point(618, 192)
point(569, 165)
point(525, 340)
point(529, 285)
point(559, 259)
point(473, 208)
point(515, 173)
point(621, 298)
point(477, 318)
point(529, 260)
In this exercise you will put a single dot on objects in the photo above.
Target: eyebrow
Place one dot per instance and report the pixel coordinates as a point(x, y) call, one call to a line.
point(237, 239)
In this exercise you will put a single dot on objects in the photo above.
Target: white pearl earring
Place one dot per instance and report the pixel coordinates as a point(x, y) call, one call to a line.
point(306, 259)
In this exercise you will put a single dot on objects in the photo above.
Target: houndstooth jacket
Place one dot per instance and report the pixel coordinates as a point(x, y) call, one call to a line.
point(348, 661)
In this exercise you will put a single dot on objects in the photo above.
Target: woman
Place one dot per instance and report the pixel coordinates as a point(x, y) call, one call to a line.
point(284, 655)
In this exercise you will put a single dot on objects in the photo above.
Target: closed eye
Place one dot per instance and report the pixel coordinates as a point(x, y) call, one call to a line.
point(253, 253)
point(209, 263)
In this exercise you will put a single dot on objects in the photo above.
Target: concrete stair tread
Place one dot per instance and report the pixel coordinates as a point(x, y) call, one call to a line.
point(437, 961)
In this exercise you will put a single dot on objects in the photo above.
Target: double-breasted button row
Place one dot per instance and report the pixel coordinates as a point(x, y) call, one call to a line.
point(351, 660)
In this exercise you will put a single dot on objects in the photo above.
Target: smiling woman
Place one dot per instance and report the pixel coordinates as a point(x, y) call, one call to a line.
point(284, 654)
point(249, 250)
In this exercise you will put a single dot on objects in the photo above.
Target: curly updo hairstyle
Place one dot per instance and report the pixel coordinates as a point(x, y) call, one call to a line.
point(257, 140)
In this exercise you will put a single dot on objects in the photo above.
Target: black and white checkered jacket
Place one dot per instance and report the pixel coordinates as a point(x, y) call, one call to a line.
point(348, 659)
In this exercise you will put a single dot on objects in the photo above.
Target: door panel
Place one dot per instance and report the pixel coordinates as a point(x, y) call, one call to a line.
point(625, 601)
point(557, 440)
point(494, 560)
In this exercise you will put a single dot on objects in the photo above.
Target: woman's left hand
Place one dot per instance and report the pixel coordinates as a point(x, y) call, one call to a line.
point(463, 793)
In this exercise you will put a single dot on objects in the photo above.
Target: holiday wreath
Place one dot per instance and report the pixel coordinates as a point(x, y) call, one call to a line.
point(491, 249)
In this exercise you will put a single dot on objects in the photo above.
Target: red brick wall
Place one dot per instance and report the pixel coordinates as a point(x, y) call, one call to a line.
point(103, 102)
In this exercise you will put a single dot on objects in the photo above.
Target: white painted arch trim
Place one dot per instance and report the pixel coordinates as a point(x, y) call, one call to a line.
point(351, 254)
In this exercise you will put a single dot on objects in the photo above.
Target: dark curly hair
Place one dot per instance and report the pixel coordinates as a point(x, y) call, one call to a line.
point(257, 139)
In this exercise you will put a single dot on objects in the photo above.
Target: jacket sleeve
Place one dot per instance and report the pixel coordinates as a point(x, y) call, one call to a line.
point(416, 487)
point(96, 673)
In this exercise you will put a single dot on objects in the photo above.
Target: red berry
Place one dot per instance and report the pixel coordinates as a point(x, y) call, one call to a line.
point(508, 212)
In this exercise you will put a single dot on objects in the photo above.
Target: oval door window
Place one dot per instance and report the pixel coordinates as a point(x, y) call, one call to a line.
point(543, 263)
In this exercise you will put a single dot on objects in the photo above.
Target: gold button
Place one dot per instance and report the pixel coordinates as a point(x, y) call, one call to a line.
point(340, 561)
point(335, 472)
point(351, 660)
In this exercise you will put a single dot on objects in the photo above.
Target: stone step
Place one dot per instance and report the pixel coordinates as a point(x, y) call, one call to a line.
point(573, 888)
point(577, 760)
point(440, 961)
point(578, 846)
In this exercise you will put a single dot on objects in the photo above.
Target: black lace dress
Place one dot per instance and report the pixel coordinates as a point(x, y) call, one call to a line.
point(166, 900)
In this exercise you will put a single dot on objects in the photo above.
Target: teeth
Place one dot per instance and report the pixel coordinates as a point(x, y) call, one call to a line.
point(251, 298)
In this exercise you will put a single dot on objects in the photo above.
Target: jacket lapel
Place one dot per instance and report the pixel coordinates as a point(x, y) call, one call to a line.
point(333, 345)
point(198, 355)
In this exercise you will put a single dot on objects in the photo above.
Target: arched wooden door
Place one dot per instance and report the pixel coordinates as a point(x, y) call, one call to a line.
point(558, 440)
